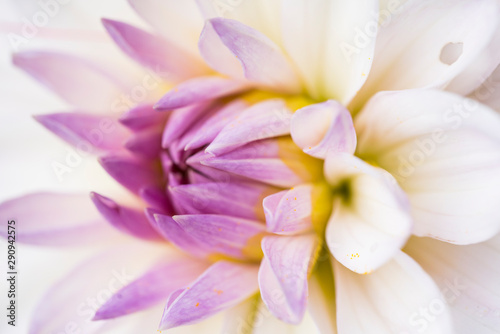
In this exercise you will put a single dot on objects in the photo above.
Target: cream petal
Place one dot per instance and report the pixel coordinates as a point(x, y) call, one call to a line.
point(444, 151)
point(400, 297)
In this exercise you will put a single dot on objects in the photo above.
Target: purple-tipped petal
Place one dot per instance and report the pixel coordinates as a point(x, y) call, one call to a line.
point(83, 84)
point(54, 219)
point(131, 172)
point(153, 287)
point(223, 285)
point(262, 60)
point(181, 120)
point(210, 129)
point(143, 116)
point(323, 128)
point(224, 235)
point(166, 59)
point(285, 268)
point(267, 119)
point(236, 199)
point(199, 90)
point(88, 132)
point(278, 162)
point(146, 143)
point(157, 199)
point(297, 210)
point(171, 231)
point(127, 220)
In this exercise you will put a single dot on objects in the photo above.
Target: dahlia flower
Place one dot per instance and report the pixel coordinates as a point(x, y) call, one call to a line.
point(300, 166)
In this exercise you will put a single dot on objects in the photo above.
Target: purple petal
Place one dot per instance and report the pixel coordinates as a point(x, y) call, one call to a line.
point(54, 219)
point(322, 128)
point(211, 127)
point(223, 285)
point(167, 60)
point(278, 162)
point(180, 120)
point(151, 288)
point(224, 235)
point(234, 199)
point(298, 209)
point(131, 172)
point(157, 199)
point(267, 119)
point(288, 261)
point(146, 143)
point(171, 231)
point(142, 116)
point(127, 220)
point(262, 60)
point(199, 90)
point(78, 82)
point(93, 133)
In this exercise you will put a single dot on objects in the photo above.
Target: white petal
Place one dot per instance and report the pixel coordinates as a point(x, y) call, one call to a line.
point(398, 298)
point(321, 301)
point(370, 220)
point(413, 52)
point(332, 44)
point(468, 277)
point(445, 152)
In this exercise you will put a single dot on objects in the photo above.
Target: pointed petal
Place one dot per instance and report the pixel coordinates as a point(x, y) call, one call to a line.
point(297, 210)
point(212, 126)
point(236, 199)
point(181, 120)
point(146, 143)
point(322, 128)
point(267, 119)
point(444, 151)
point(152, 287)
point(131, 172)
point(78, 82)
point(157, 199)
point(88, 132)
point(141, 117)
point(390, 300)
point(199, 89)
point(332, 44)
point(125, 219)
point(262, 60)
point(285, 268)
point(54, 219)
point(164, 58)
point(468, 276)
point(278, 162)
point(178, 21)
point(223, 285)
point(224, 235)
point(371, 221)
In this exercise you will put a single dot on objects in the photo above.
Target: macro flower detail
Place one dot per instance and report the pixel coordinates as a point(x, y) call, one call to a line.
point(320, 166)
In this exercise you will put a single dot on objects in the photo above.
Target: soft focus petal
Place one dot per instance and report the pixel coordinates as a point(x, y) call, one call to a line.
point(285, 268)
point(323, 128)
point(165, 59)
point(54, 220)
point(87, 132)
point(152, 287)
point(468, 277)
point(141, 117)
point(370, 220)
point(322, 296)
point(81, 83)
point(444, 150)
point(391, 300)
point(223, 285)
